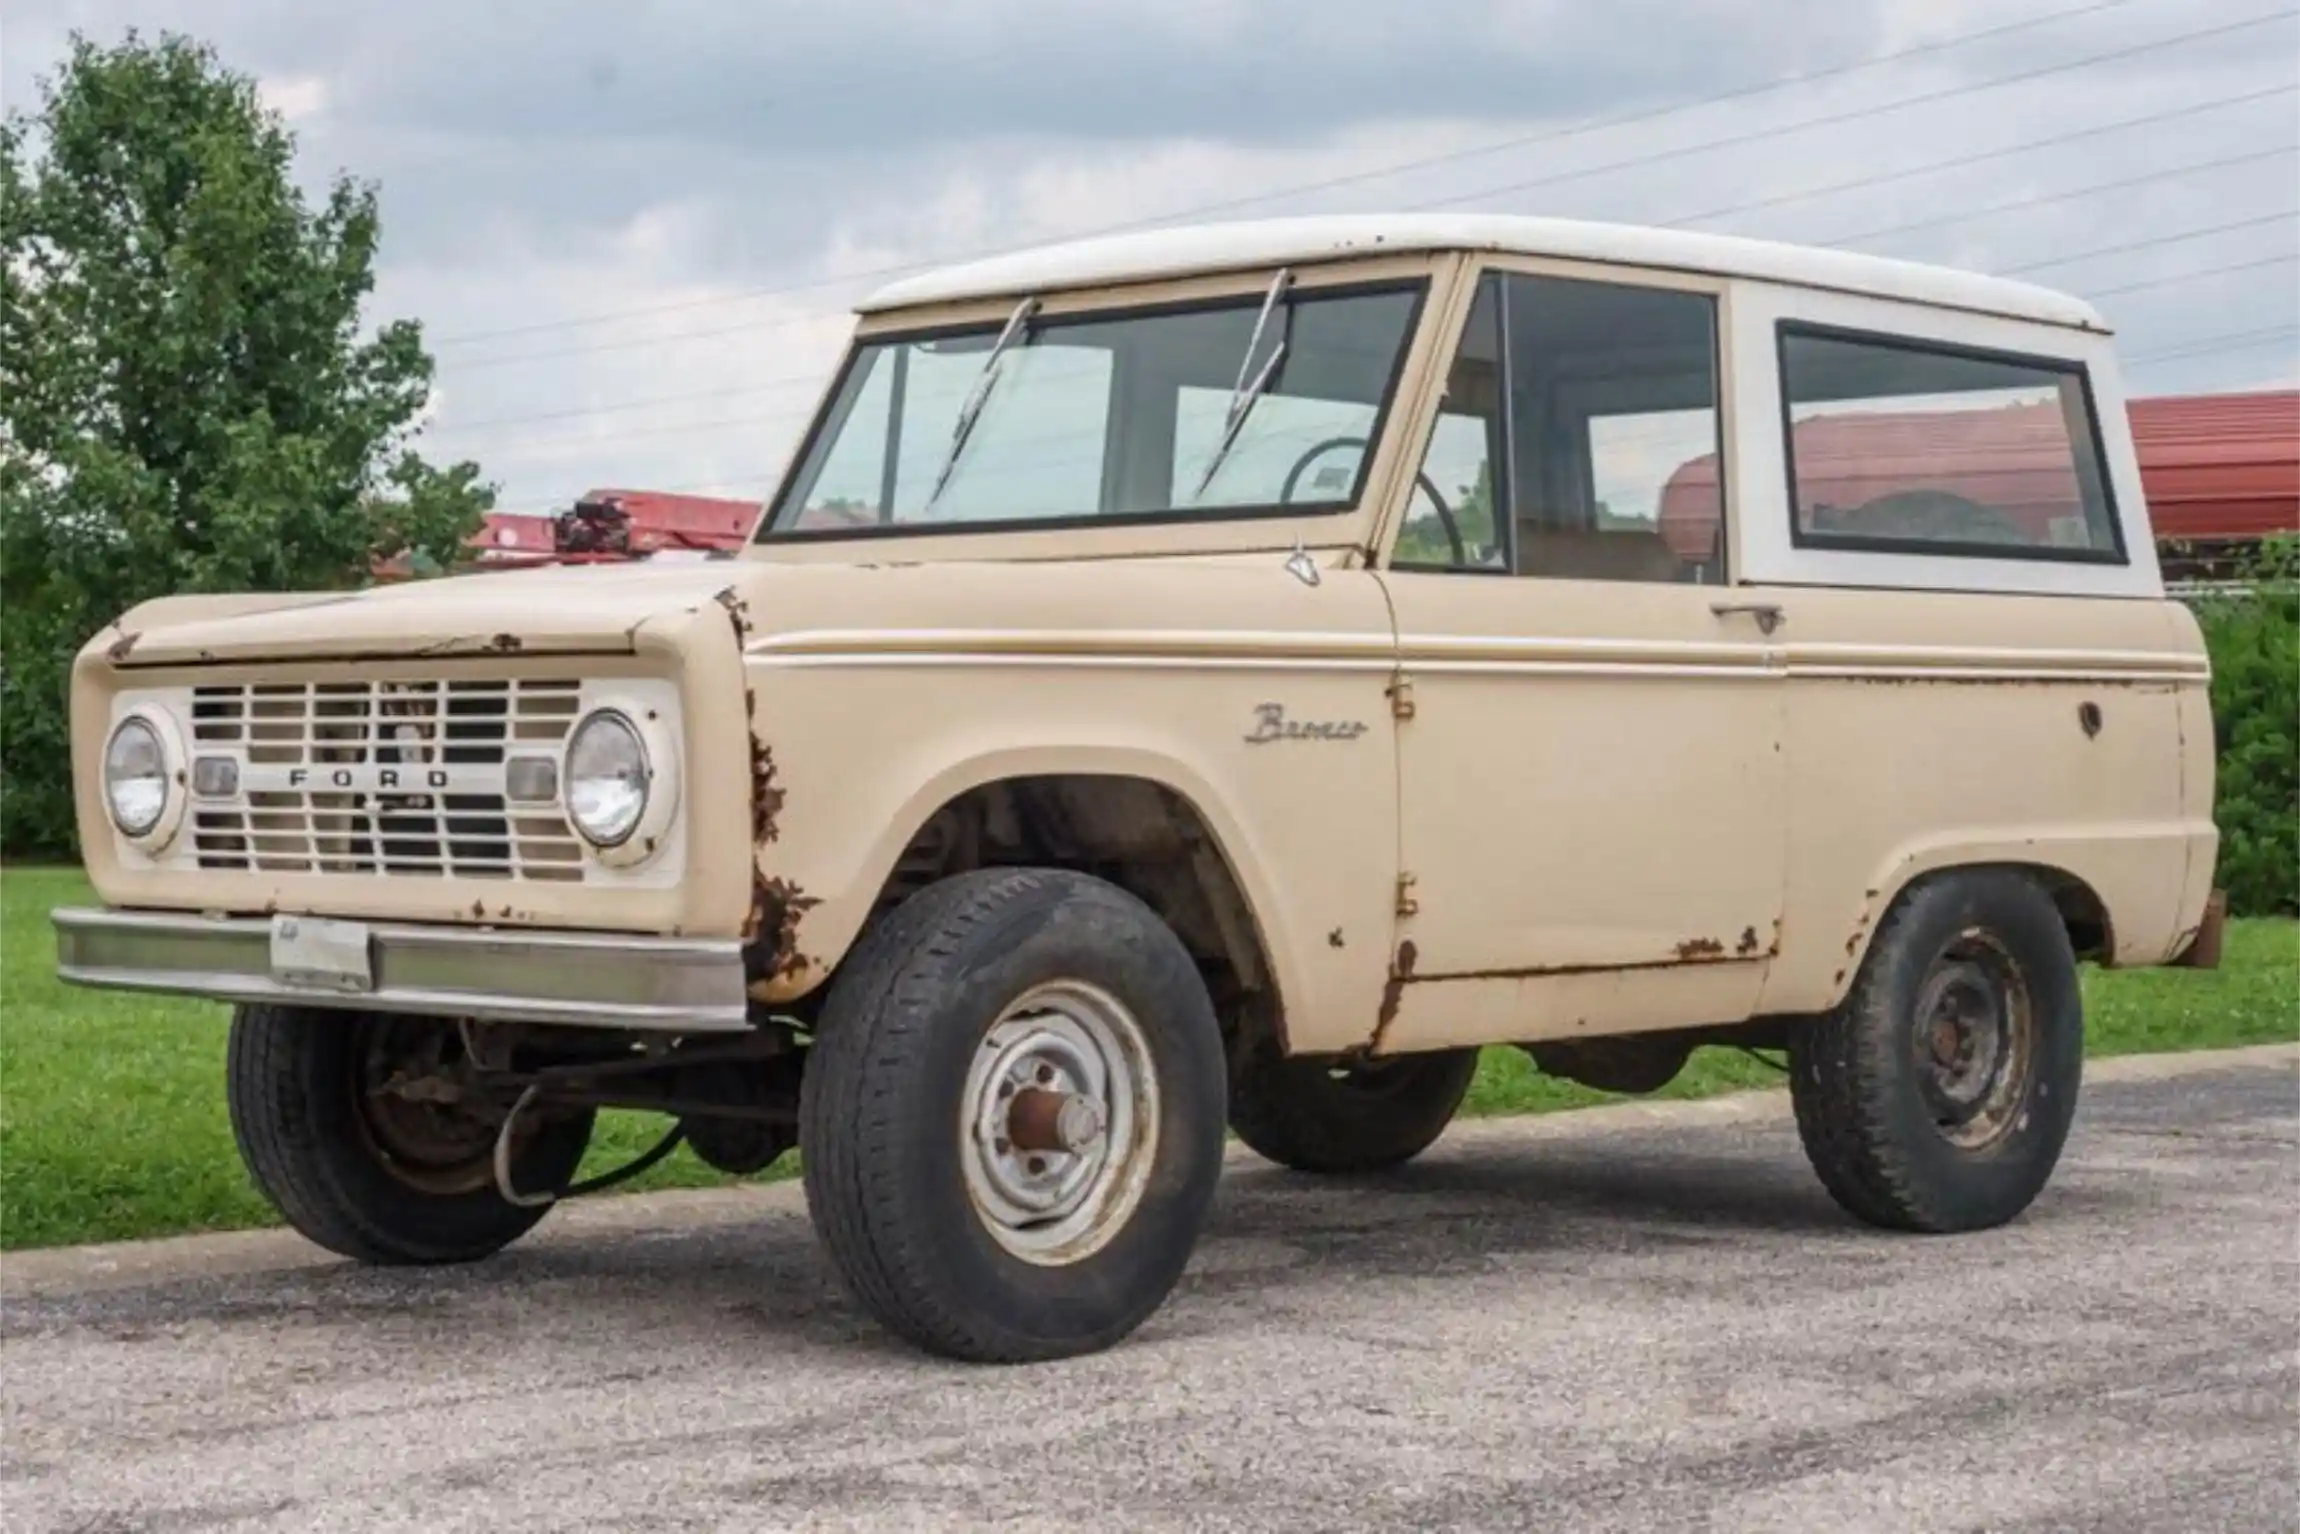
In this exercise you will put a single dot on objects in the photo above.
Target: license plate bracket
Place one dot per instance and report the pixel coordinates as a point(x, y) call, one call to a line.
point(314, 953)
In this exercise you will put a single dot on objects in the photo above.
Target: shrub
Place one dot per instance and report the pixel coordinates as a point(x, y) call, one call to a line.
point(2254, 635)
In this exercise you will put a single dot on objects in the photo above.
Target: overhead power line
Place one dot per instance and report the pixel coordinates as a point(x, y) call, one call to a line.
point(2209, 346)
point(2282, 216)
point(1835, 119)
point(785, 382)
point(1558, 178)
point(1330, 183)
point(2168, 278)
point(2085, 134)
point(2049, 199)
point(775, 385)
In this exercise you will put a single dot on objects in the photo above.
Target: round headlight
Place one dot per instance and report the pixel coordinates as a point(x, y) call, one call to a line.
point(607, 778)
point(136, 777)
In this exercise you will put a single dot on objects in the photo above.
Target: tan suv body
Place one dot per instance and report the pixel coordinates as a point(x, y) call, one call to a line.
point(1432, 632)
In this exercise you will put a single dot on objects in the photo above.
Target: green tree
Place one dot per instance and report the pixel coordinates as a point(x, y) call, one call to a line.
point(188, 398)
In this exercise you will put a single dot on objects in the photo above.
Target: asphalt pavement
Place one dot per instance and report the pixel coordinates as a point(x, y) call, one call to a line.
point(1639, 1318)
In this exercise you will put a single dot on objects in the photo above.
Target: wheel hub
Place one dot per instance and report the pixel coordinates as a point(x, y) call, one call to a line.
point(418, 1107)
point(1061, 1122)
point(1972, 1037)
point(1041, 1120)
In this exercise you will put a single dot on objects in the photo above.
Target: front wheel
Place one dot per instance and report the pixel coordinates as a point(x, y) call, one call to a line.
point(1939, 1095)
point(368, 1132)
point(1011, 1120)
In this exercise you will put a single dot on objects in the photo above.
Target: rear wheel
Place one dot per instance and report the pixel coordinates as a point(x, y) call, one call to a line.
point(1011, 1119)
point(368, 1133)
point(1938, 1097)
point(1324, 1115)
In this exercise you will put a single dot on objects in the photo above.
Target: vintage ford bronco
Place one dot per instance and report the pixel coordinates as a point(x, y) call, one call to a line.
point(1213, 677)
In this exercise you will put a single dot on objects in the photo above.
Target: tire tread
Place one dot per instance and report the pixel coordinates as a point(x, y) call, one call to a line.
point(863, 1091)
point(1845, 1084)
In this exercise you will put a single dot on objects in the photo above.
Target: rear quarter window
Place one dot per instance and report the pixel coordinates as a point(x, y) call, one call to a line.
point(1910, 446)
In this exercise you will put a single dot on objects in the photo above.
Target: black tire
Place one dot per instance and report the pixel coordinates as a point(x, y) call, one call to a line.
point(883, 1114)
point(1318, 1115)
point(305, 1132)
point(1906, 1113)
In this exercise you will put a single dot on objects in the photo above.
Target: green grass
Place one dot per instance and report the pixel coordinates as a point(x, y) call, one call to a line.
point(112, 1118)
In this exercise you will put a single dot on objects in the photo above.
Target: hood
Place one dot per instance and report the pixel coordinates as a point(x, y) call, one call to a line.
point(623, 609)
point(557, 610)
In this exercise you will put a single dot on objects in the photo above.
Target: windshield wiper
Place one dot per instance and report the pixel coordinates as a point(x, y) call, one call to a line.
point(976, 397)
point(1244, 394)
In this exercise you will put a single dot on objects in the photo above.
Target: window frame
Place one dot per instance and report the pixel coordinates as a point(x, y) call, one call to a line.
point(1502, 469)
point(834, 407)
point(1717, 290)
point(2119, 555)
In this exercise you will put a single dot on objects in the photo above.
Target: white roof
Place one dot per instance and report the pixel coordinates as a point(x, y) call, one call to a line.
point(1217, 247)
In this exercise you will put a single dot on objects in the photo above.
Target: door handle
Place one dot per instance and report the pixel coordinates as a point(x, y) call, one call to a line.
point(1768, 614)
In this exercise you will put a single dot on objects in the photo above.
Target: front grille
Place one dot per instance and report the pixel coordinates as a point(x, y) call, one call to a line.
point(405, 724)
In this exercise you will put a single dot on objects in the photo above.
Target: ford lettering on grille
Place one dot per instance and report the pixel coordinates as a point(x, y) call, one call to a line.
point(361, 779)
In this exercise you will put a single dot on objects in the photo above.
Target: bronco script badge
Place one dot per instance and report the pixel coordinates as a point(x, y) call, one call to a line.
point(1271, 723)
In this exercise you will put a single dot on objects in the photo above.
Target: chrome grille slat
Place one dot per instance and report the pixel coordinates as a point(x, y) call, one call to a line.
point(385, 721)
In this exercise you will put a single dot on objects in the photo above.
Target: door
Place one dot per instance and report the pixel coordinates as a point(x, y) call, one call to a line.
point(1591, 773)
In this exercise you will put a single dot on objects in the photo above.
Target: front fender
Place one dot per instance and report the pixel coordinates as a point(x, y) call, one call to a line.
point(859, 758)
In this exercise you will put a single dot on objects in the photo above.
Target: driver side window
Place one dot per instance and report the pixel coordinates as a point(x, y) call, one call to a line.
point(1577, 440)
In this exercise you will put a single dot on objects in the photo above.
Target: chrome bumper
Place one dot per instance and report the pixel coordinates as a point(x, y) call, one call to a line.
point(602, 980)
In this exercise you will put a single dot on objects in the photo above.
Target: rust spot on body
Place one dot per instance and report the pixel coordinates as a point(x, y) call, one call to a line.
point(1334, 938)
point(1393, 991)
point(1748, 943)
point(738, 613)
point(776, 903)
point(504, 644)
point(118, 649)
point(776, 906)
point(1695, 948)
point(766, 794)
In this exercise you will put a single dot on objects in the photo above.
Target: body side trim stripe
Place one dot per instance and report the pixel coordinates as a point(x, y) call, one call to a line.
point(1443, 654)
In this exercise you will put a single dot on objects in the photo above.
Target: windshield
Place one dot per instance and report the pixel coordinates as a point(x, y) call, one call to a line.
point(1120, 414)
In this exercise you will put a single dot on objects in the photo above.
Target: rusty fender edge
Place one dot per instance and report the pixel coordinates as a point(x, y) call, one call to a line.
point(2202, 950)
point(771, 950)
point(771, 931)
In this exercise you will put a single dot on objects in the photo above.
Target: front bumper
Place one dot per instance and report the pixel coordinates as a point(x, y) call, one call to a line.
point(603, 980)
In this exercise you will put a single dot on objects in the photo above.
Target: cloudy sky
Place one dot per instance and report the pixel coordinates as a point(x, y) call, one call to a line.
point(631, 230)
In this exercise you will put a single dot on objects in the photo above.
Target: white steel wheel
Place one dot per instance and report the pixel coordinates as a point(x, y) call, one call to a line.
point(1011, 1119)
point(1061, 1126)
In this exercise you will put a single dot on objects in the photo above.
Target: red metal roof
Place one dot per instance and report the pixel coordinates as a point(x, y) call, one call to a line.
point(2220, 465)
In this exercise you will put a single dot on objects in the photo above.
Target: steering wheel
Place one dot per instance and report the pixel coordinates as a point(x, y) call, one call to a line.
point(1445, 512)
